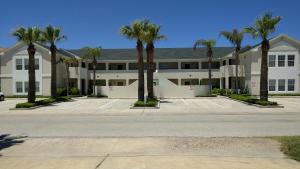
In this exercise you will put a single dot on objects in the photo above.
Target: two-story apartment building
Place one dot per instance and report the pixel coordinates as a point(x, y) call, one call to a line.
point(178, 70)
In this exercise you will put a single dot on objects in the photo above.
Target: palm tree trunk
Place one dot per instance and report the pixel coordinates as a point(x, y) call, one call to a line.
point(141, 87)
point(150, 51)
point(94, 76)
point(264, 71)
point(237, 70)
point(68, 78)
point(209, 54)
point(53, 71)
point(31, 74)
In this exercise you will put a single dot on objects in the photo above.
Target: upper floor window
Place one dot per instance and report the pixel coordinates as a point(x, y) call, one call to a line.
point(83, 64)
point(291, 60)
point(272, 60)
point(99, 66)
point(19, 64)
point(189, 65)
point(281, 60)
point(231, 61)
point(117, 66)
point(36, 64)
point(224, 62)
point(214, 65)
point(168, 65)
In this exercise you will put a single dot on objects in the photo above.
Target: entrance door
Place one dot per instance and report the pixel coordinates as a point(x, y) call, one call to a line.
point(83, 87)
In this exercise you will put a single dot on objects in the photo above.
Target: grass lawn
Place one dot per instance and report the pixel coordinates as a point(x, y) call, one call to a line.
point(290, 146)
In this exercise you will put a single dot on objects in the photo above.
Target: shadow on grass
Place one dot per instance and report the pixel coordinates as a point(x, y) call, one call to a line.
point(6, 141)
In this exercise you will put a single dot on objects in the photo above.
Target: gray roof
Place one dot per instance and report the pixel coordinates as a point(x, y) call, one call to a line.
point(159, 53)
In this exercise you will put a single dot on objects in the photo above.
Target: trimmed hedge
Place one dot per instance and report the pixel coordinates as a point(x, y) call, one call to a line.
point(43, 102)
point(150, 103)
point(252, 100)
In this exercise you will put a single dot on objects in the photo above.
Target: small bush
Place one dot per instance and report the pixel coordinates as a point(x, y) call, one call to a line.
point(74, 91)
point(150, 103)
point(25, 105)
point(61, 92)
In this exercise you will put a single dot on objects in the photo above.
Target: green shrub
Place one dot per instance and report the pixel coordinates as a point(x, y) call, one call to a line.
point(25, 105)
point(43, 102)
point(61, 92)
point(74, 91)
point(150, 103)
point(252, 100)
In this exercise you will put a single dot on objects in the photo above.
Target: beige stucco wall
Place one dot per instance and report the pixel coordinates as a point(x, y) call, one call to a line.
point(6, 86)
point(46, 86)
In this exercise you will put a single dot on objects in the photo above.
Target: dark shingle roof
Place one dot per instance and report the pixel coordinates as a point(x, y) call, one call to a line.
point(159, 53)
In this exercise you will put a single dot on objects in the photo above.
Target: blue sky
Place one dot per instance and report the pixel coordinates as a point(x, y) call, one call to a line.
point(97, 22)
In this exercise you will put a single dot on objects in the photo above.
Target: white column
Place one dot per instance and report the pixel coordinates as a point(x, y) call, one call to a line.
point(179, 65)
point(79, 77)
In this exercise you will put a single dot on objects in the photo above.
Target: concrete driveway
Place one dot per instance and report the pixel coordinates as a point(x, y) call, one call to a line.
point(146, 153)
point(216, 105)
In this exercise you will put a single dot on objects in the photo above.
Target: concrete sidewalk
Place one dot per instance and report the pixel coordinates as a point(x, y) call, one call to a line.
point(145, 153)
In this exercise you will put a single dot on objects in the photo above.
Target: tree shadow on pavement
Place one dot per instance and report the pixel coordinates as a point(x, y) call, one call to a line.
point(6, 141)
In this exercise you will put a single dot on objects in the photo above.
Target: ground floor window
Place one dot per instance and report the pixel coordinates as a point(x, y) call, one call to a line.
point(19, 87)
point(291, 85)
point(281, 85)
point(272, 85)
point(37, 87)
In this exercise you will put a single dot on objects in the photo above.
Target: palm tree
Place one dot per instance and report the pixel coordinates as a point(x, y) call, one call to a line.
point(235, 38)
point(52, 35)
point(29, 36)
point(135, 32)
point(151, 35)
point(67, 61)
point(93, 54)
point(209, 44)
point(263, 28)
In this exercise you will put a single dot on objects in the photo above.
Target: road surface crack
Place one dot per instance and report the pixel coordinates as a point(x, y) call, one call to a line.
point(101, 162)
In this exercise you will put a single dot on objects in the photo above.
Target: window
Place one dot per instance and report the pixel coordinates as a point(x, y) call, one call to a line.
point(272, 60)
point(231, 61)
point(281, 85)
point(83, 64)
point(291, 85)
point(168, 65)
point(281, 60)
point(36, 64)
point(189, 65)
point(26, 62)
point(291, 60)
point(272, 85)
point(37, 87)
point(19, 64)
point(224, 62)
point(214, 65)
point(26, 87)
point(19, 87)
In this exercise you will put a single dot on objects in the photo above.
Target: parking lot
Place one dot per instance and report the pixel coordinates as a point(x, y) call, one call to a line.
point(216, 105)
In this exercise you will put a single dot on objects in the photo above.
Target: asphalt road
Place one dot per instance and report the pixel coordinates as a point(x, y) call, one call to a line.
point(151, 125)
